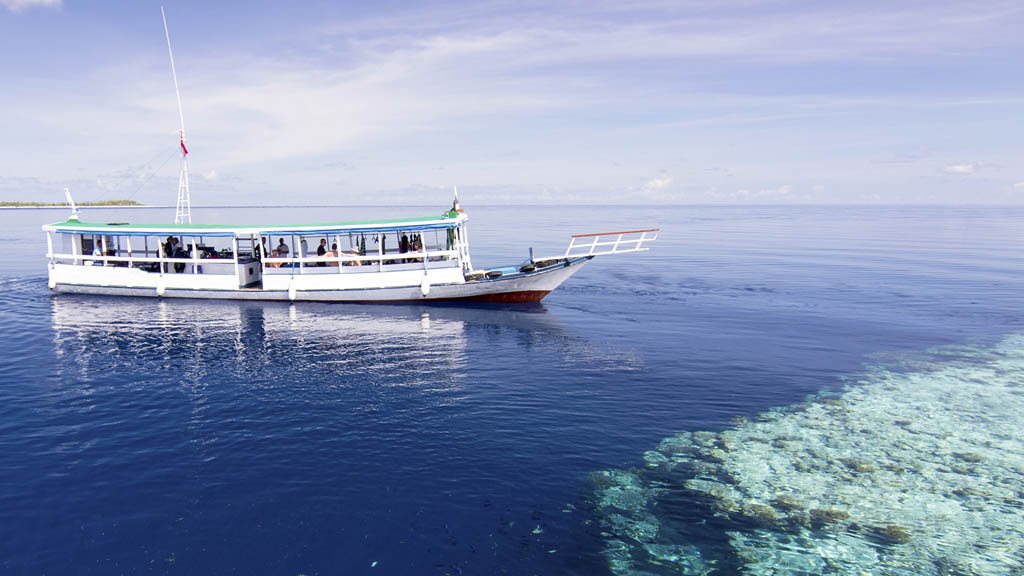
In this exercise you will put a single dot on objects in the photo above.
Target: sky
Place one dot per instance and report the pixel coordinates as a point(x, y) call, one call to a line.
point(593, 102)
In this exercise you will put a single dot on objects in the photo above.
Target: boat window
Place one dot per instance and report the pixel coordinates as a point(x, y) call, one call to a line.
point(87, 243)
point(248, 249)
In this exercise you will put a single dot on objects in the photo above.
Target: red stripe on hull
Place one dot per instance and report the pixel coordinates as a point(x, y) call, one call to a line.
point(521, 296)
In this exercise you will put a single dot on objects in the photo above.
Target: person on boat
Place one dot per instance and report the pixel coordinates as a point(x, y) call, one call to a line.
point(282, 249)
point(97, 250)
point(403, 245)
point(321, 251)
point(303, 249)
point(168, 251)
point(354, 251)
point(414, 246)
point(179, 252)
point(261, 249)
point(332, 253)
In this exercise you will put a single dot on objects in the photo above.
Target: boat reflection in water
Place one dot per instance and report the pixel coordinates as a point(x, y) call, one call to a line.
point(97, 333)
point(316, 346)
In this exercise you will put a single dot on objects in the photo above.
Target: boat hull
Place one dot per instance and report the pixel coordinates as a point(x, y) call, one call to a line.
point(529, 287)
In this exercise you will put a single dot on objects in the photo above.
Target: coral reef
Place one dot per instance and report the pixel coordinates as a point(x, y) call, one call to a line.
point(918, 471)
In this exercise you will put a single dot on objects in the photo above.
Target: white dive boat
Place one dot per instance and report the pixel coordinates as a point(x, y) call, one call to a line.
point(379, 261)
point(413, 259)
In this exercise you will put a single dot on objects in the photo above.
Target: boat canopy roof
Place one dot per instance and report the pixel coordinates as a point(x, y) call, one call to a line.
point(450, 219)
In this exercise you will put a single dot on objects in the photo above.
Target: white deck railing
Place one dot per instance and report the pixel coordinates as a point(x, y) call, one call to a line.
point(291, 263)
point(348, 259)
point(602, 243)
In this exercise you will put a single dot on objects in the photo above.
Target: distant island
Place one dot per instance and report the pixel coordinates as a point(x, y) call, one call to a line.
point(64, 204)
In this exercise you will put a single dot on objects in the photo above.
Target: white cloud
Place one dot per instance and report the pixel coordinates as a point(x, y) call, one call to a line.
point(293, 109)
point(819, 187)
point(659, 183)
point(279, 108)
point(781, 193)
point(656, 189)
point(1019, 186)
point(19, 5)
point(210, 175)
point(969, 168)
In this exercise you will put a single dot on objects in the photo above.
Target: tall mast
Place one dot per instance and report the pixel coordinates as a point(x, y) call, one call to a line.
point(183, 210)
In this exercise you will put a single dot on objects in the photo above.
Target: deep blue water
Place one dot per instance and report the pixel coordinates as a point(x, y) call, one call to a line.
point(145, 436)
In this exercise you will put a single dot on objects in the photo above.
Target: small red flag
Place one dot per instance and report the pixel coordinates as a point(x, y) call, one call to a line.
point(184, 151)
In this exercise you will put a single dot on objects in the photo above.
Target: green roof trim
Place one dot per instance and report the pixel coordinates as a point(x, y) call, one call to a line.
point(77, 224)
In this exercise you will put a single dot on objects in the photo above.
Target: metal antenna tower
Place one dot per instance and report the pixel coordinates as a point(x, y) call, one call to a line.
point(183, 210)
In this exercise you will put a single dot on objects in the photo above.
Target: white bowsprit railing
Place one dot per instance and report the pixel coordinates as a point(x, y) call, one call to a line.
point(610, 243)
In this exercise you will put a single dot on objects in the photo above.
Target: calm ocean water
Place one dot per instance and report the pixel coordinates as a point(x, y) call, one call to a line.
point(146, 436)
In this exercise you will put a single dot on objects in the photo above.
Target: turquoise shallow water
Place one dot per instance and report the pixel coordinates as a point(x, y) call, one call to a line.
point(216, 437)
